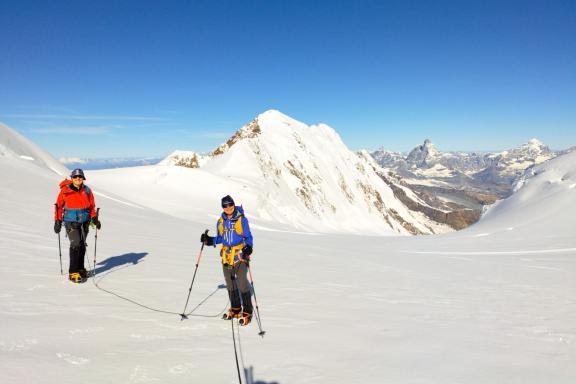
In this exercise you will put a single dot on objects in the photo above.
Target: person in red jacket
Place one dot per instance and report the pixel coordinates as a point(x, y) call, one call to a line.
point(76, 208)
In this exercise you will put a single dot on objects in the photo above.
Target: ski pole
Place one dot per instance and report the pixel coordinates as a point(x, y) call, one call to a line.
point(183, 314)
point(59, 245)
point(95, 244)
point(236, 352)
point(261, 333)
point(235, 288)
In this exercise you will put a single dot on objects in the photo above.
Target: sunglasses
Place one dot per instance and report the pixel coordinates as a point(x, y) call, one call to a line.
point(77, 177)
point(227, 205)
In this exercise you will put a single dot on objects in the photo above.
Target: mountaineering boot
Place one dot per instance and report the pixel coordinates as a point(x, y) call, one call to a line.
point(246, 315)
point(235, 305)
point(83, 273)
point(245, 318)
point(76, 278)
point(232, 313)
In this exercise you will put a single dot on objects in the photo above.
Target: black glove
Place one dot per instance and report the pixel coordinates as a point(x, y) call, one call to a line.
point(208, 240)
point(57, 226)
point(96, 222)
point(246, 252)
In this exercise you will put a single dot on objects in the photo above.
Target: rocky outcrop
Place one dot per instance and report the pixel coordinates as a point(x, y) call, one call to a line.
point(454, 215)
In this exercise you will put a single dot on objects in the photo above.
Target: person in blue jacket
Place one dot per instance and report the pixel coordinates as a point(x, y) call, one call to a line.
point(233, 232)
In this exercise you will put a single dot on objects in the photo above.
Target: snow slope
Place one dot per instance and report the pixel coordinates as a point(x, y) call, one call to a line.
point(14, 145)
point(545, 199)
point(475, 307)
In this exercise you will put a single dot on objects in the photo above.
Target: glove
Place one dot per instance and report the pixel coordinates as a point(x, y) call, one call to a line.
point(57, 226)
point(246, 252)
point(96, 222)
point(208, 240)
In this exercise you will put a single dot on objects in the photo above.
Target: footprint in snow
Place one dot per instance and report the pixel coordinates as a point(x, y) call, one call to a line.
point(75, 360)
point(17, 346)
point(36, 287)
point(86, 330)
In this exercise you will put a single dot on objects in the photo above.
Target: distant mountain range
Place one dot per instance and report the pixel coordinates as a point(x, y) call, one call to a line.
point(436, 189)
point(491, 173)
point(458, 180)
point(106, 163)
point(428, 162)
point(305, 177)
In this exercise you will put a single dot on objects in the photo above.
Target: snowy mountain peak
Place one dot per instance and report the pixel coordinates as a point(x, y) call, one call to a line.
point(534, 146)
point(305, 176)
point(275, 118)
point(423, 155)
point(533, 151)
point(535, 142)
point(188, 159)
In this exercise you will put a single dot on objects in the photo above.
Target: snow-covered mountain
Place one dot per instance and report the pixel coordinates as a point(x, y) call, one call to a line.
point(15, 146)
point(493, 303)
point(503, 167)
point(460, 181)
point(305, 176)
point(187, 159)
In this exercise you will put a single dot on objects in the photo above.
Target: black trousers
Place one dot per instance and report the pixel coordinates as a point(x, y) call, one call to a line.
point(238, 287)
point(77, 234)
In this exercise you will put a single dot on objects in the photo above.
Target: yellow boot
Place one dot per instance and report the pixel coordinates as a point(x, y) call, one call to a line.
point(75, 277)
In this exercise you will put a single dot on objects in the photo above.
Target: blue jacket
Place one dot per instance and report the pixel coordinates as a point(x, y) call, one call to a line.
point(233, 233)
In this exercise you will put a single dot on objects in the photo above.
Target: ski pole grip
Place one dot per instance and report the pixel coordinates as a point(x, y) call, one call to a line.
point(204, 242)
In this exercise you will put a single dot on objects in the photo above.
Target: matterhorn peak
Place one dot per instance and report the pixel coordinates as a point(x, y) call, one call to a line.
point(423, 155)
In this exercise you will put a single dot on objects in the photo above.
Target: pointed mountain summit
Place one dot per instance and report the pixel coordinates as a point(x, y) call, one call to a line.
point(423, 155)
point(305, 176)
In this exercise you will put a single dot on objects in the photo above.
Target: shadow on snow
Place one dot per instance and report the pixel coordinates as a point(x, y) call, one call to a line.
point(116, 261)
point(249, 375)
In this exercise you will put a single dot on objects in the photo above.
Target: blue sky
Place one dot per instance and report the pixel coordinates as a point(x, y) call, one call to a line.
point(142, 78)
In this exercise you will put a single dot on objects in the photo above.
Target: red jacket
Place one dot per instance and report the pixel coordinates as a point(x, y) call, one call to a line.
point(74, 205)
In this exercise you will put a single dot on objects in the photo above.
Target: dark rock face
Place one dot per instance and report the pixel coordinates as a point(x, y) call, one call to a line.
point(455, 215)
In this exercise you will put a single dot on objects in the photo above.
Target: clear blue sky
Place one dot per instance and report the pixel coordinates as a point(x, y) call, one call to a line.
point(140, 78)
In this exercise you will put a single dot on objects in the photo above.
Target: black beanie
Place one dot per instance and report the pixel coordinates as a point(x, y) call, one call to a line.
point(227, 201)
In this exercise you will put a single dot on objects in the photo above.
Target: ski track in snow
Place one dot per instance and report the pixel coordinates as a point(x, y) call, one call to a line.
point(17, 346)
point(75, 360)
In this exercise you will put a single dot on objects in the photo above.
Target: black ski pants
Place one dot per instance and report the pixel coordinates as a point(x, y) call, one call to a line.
point(77, 234)
point(237, 283)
